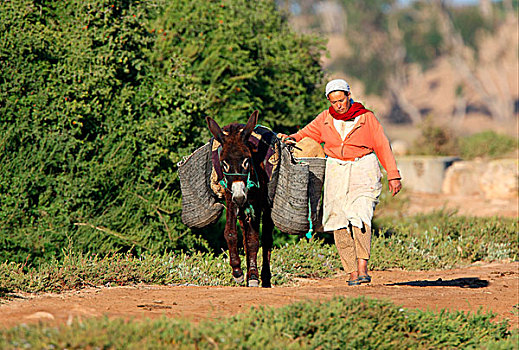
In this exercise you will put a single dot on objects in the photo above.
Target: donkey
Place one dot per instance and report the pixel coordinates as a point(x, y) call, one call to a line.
point(245, 181)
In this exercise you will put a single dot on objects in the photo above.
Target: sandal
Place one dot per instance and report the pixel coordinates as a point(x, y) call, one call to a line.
point(364, 279)
point(354, 282)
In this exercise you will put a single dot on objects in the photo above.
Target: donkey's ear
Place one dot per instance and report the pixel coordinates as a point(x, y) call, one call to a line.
point(251, 124)
point(215, 129)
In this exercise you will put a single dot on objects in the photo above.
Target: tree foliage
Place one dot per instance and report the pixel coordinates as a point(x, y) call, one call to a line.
point(90, 132)
point(97, 106)
point(246, 58)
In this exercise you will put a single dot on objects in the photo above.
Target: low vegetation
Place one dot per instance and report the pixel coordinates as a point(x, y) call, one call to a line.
point(440, 140)
point(305, 259)
point(336, 324)
point(434, 241)
point(442, 240)
point(487, 144)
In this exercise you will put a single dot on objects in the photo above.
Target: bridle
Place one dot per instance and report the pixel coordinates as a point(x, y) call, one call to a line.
point(249, 210)
point(250, 182)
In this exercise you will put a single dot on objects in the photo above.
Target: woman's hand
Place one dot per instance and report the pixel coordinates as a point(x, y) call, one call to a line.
point(394, 186)
point(285, 138)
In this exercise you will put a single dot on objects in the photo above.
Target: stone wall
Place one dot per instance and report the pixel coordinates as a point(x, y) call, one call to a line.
point(424, 173)
point(495, 179)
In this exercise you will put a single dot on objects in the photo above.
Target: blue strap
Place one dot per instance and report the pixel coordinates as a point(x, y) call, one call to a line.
point(311, 229)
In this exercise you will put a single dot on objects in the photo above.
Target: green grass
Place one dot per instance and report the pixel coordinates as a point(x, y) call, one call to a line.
point(423, 242)
point(336, 324)
point(305, 259)
point(442, 240)
point(438, 240)
point(487, 144)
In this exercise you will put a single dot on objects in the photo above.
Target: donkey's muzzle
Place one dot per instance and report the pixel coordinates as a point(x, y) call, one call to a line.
point(239, 193)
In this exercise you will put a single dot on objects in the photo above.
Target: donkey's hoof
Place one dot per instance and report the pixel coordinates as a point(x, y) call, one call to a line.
point(253, 283)
point(239, 280)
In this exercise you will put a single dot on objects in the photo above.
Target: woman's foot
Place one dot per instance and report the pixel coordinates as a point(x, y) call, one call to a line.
point(354, 279)
point(362, 274)
point(355, 282)
point(364, 278)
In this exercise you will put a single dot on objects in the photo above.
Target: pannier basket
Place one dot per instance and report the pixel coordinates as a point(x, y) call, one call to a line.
point(316, 170)
point(297, 201)
point(199, 205)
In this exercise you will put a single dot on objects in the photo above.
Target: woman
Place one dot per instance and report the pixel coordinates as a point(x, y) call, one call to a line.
point(354, 142)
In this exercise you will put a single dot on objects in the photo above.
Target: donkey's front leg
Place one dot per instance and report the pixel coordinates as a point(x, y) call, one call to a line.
point(231, 236)
point(251, 245)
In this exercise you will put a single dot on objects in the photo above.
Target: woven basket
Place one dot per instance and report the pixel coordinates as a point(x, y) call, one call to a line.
point(316, 167)
point(290, 207)
point(199, 206)
point(299, 188)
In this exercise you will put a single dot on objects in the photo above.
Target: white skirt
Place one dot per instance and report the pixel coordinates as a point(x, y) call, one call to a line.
point(351, 192)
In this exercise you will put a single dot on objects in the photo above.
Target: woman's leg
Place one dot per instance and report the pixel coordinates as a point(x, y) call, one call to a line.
point(346, 247)
point(362, 239)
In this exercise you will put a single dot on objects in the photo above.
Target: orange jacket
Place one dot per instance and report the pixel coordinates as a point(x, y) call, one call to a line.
point(366, 136)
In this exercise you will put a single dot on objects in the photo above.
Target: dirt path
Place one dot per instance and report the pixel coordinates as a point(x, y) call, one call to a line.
point(493, 287)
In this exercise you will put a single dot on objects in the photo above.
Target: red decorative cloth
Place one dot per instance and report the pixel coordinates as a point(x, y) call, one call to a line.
point(355, 110)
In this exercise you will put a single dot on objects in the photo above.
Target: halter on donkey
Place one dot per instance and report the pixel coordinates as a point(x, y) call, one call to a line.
point(246, 196)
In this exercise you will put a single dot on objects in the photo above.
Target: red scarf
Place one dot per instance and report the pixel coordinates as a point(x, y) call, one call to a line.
point(355, 110)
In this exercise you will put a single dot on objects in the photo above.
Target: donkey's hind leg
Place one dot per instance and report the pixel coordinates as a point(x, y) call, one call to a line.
point(266, 245)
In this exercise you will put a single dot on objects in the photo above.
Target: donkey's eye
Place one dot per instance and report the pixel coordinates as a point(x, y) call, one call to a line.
point(225, 166)
point(245, 164)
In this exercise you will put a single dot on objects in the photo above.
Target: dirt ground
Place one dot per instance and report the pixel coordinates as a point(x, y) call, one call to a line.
point(483, 286)
point(492, 287)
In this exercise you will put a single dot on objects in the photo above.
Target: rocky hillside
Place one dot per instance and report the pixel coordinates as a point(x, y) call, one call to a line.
point(465, 90)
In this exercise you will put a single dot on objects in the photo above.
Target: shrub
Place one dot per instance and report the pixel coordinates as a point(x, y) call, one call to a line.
point(90, 131)
point(98, 104)
point(471, 24)
point(435, 140)
point(487, 144)
point(246, 57)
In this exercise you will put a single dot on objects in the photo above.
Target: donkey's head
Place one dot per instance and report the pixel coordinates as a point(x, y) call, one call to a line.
point(235, 157)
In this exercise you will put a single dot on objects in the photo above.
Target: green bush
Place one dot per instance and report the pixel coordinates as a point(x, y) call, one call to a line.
point(247, 57)
point(435, 140)
point(470, 23)
point(98, 104)
point(487, 144)
point(90, 131)
point(339, 323)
